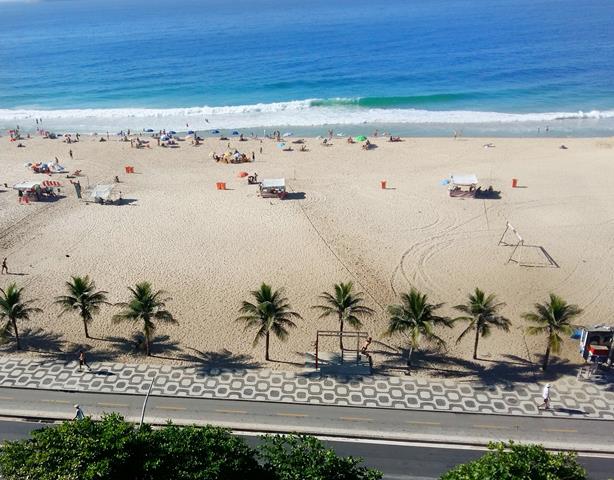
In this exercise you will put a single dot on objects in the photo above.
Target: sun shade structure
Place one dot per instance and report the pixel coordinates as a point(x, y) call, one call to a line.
point(273, 187)
point(463, 186)
point(101, 192)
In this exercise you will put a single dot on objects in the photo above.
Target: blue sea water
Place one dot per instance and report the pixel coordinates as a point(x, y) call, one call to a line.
point(415, 66)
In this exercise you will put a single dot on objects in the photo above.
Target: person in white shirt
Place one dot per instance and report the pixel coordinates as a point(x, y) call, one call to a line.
point(546, 397)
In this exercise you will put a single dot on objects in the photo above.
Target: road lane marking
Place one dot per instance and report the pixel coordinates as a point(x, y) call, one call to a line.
point(560, 430)
point(240, 412)
point(292, 414)
point(7, 398)
point(355, 419)
point(54, 401)
point(170, 408)
point(492, 427)
point(103, 404)
point(416, 422)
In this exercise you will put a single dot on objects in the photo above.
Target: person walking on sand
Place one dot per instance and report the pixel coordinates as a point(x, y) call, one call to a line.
point(82, 361)
point(79, 415)
point(5, 269)
point(70, 153)
point(546, 397)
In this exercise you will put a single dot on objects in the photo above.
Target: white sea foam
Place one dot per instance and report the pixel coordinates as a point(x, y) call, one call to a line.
point(293, 113)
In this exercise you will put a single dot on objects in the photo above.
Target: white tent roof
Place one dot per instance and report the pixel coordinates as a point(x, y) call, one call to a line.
point(25, 185)
point(464, 179)
point(273, 183)
point(101, 191)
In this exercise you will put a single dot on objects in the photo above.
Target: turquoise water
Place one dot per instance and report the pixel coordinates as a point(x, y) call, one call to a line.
point(422, 66)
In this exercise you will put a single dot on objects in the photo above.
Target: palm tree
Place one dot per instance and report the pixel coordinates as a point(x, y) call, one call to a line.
point(145, 306)
point(13, 308)
point(481, 310)
point(83, 298)
point(552, 318)
point(415, 317)
point(345, 305)
point(270, 312)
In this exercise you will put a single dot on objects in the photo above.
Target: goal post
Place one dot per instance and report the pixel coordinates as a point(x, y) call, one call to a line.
point(357, 336)
point(519, 241)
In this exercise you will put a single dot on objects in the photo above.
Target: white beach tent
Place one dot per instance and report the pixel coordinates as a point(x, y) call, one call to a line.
point(465, 180)
point(24, 186)
point(102, 192)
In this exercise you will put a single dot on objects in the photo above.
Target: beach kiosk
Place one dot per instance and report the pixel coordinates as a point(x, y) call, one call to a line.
point(596, 344)
point(464, 185)
point(36, 189)
point(273, 188)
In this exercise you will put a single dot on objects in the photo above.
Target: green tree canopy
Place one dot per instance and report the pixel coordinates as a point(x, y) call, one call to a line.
point(299, 457)
point(519, 462)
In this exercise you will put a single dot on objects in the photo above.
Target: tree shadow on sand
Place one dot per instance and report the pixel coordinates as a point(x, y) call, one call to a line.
point(34, 340)
point(222, 360)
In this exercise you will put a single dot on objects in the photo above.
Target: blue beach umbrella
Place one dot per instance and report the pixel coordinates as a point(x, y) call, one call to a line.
point(190, 132)
point(214, 132)
point(172, 132)
point(149, 130)
point(235, 132)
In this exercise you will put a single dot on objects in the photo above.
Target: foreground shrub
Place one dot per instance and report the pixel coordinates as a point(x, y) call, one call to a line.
point(114, 449)
point(519, 462)
point(301, 457)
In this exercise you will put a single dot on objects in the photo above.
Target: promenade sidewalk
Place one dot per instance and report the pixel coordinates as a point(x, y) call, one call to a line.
point(592, 398)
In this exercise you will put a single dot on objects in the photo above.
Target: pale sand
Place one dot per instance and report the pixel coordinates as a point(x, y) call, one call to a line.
point(209, 248)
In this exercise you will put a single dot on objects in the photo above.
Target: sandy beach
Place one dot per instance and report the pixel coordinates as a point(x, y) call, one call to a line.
point(208, 248)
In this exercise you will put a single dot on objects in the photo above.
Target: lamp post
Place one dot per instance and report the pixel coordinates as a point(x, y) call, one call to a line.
point(145, 401)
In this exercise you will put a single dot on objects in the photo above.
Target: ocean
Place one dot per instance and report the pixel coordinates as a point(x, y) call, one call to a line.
point(412, 67)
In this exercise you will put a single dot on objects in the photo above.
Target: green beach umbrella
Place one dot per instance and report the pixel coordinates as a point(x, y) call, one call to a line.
point(360, 138)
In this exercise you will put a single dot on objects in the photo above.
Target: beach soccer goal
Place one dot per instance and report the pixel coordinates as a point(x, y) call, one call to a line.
point(355, 339)
point(523, 254)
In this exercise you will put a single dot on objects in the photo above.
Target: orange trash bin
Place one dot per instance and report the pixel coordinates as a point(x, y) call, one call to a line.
point(514, 182)
point(383, 184)
point(127, 168)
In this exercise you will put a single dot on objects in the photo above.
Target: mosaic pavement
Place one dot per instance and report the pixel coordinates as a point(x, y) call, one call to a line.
point(593, 398)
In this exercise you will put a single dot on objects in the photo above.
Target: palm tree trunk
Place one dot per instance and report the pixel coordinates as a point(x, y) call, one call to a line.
point(475, 345)
point(147, 350)
point(16, 334)
point(341, 334)
point(266, 355)
point(409, 354)
point(87, 334)
point(546, 357)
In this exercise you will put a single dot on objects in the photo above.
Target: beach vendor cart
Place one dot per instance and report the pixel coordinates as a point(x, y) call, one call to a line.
point(464, 186)
point(273, 187)
point(596, 344)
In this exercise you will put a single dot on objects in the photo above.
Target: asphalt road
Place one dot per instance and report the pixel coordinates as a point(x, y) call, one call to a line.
point(405, 444)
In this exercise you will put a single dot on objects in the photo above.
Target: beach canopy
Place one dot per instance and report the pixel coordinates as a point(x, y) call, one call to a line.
point(464, 179)
point(360, 138)
point(101, 191)
point(215, 131)
point(23, 186)
point(235, 132)
point(273, 183)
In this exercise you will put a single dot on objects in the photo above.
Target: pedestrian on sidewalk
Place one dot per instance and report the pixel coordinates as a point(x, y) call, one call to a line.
point(82, 361)
point(79, 415)
point(546, 397)
point(5, 269)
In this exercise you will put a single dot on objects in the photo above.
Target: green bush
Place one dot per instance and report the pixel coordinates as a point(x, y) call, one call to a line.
point(519, 462)
point(301, 457)
point(114, 449)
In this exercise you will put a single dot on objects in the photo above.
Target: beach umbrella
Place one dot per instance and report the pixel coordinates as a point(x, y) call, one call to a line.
point(164, 138)
point(190, 132)
point(360, 138)
point(287, 134)
point(235, 132)
point(149, 130)
point(214, 132)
